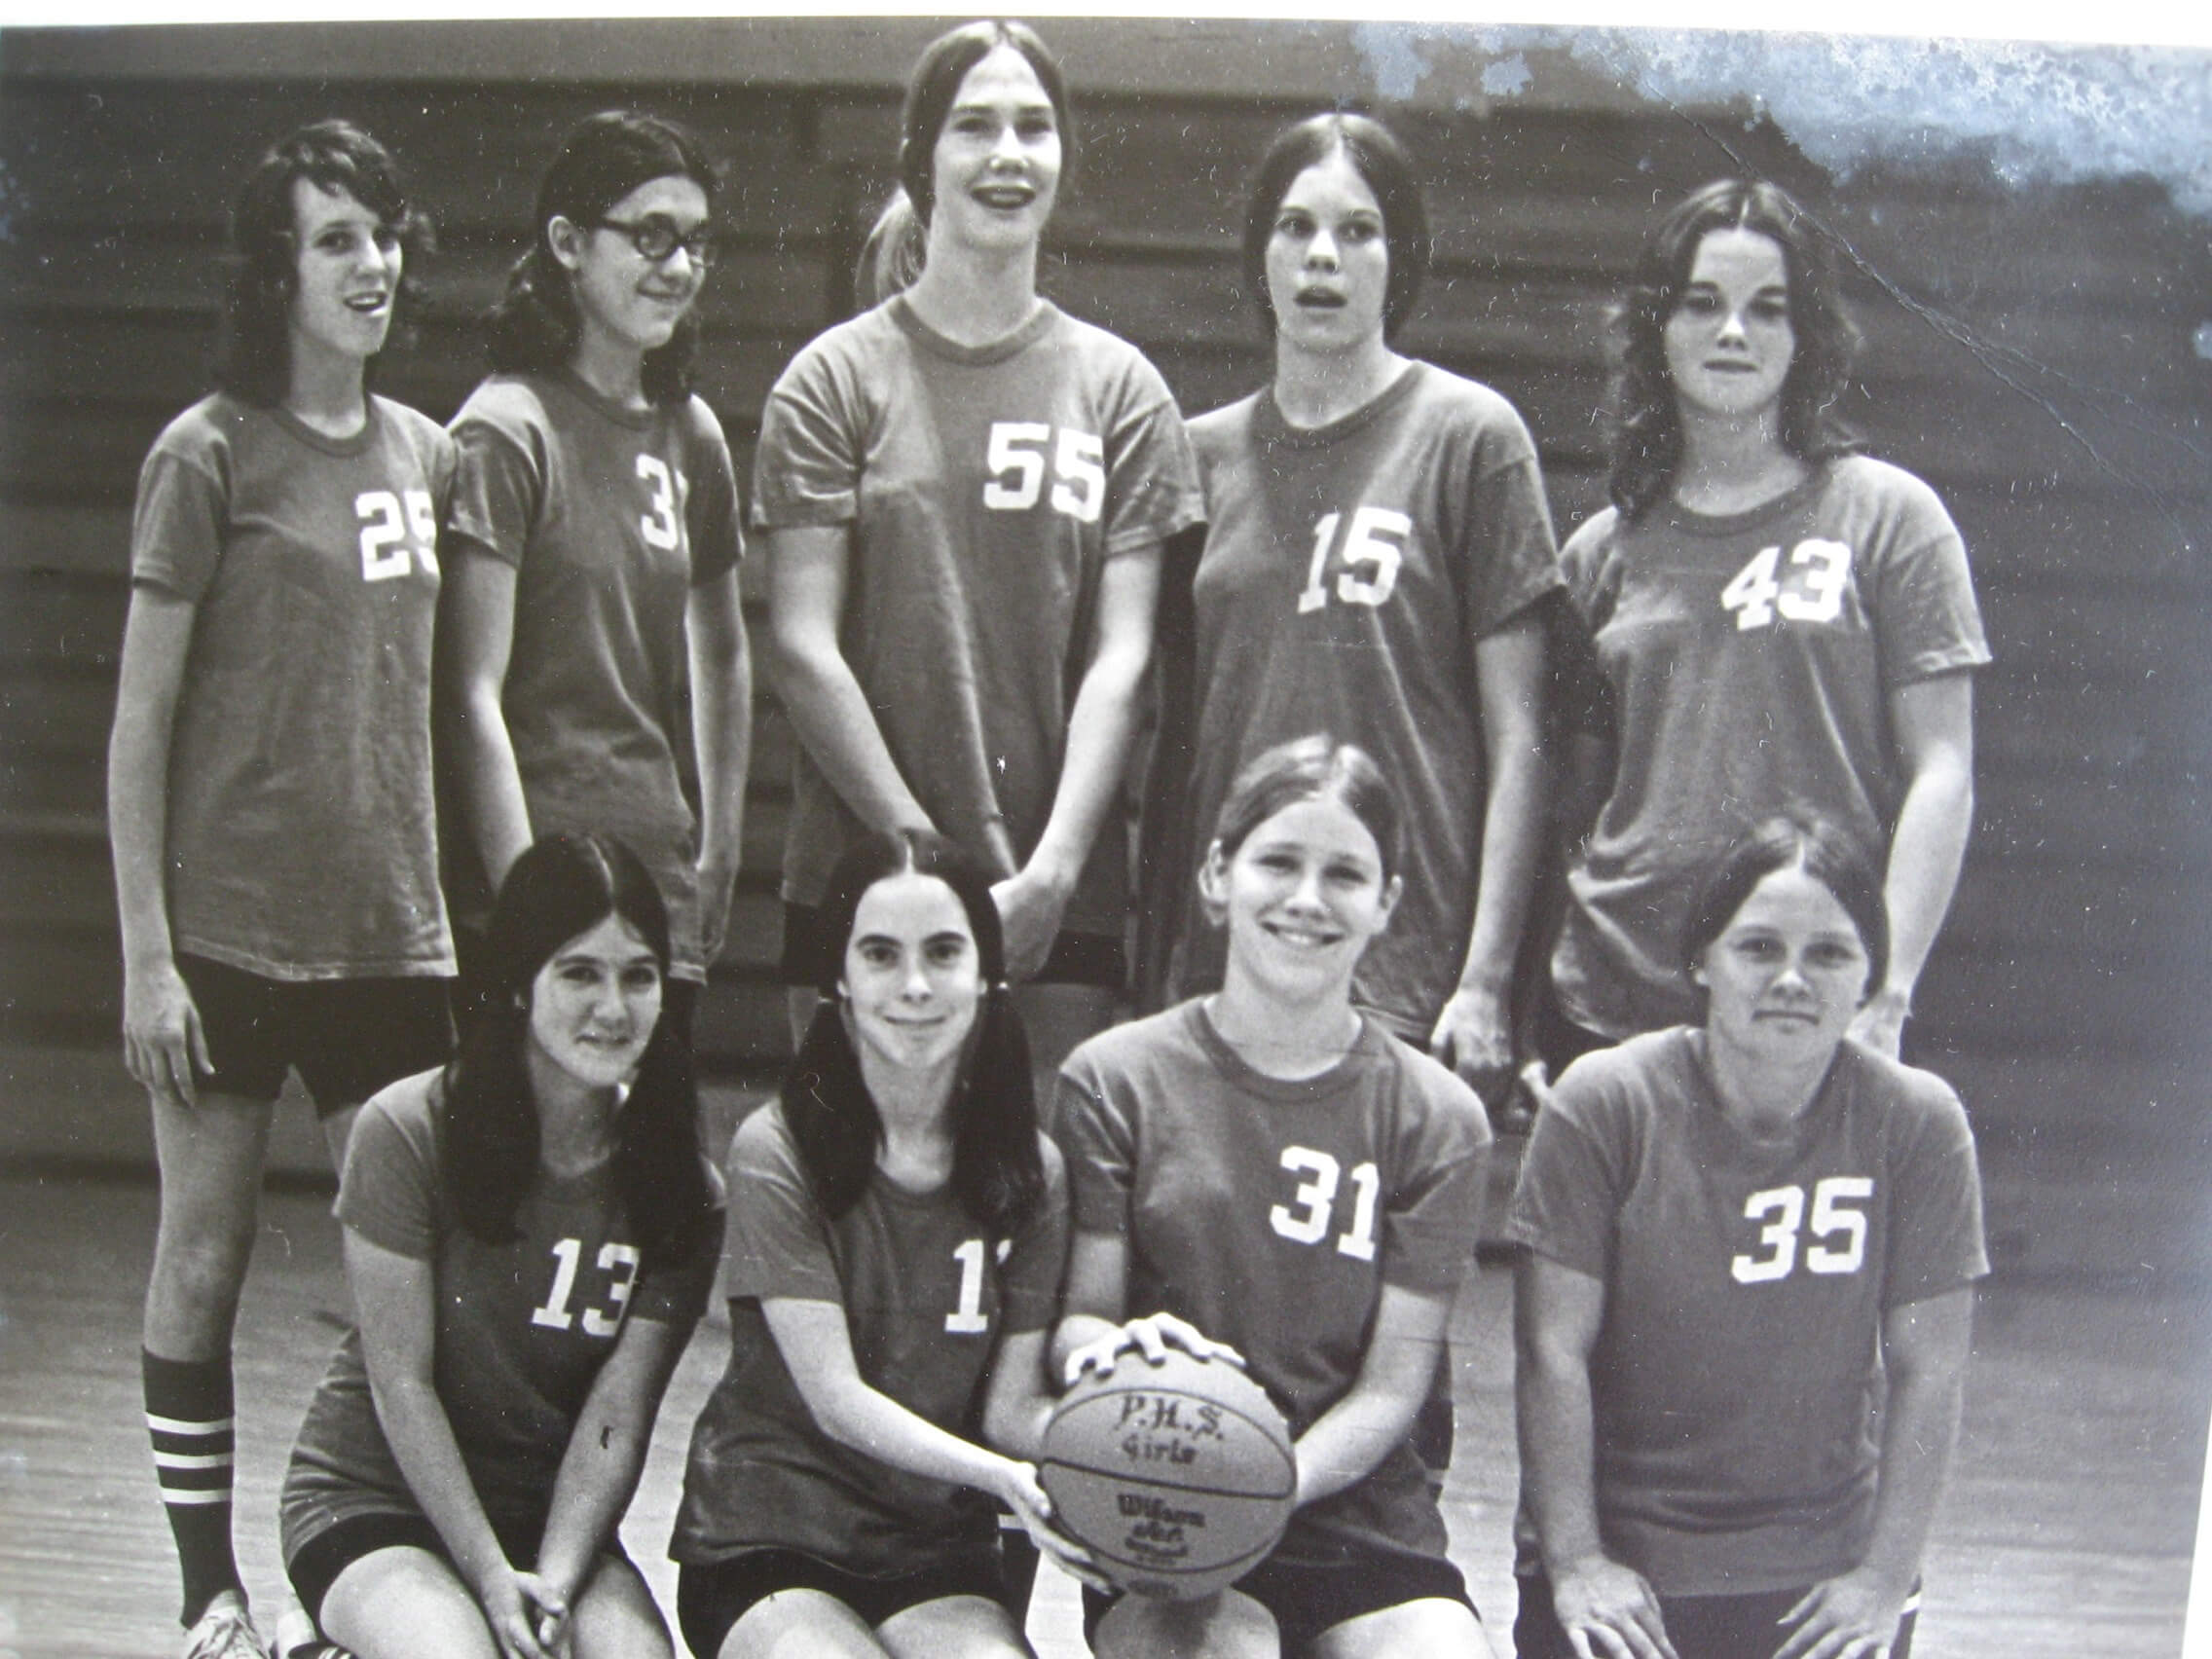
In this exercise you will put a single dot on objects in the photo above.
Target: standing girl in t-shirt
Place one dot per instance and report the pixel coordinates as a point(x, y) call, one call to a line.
point(269, 780)
point(1780, 624)
point(896, 1229)
point(1376, 545)
point(594, 544)
point(528, 1240)
point(964, 492)
point(1269, 1168)
point(1750, 1243)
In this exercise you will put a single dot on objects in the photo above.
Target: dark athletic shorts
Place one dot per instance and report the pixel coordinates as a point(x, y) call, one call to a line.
point(711, 1598)
point(1701, 1627)
point(316, 1568)
point(1075, 959)
point(1308, 1599)
point(347, 1038)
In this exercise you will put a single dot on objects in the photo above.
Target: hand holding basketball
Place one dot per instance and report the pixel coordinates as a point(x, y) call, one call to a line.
point(1020, 1492)
point(1155, 1336)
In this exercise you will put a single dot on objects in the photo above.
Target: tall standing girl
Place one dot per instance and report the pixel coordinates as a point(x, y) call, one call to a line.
point(595, 541)
point(1269, 1168)
point(965, 491)
point(1376, 547)
point(1780, 623)
point(896, 1231)
point(269, 779)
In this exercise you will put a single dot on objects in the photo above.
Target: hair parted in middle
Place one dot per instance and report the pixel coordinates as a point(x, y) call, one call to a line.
point(1381, 162)
point(1646, 418)
point(997, 1171)
point(1316, 767)
point(563, 886)
point(935, 82)
point(1824, 850)
point(253, 355)
point(535, 327)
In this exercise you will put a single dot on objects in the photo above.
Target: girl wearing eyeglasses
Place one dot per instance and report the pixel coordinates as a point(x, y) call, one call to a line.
point(594, 544)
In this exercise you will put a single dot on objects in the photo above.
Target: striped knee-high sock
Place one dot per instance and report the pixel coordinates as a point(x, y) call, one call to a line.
point(189, 1416)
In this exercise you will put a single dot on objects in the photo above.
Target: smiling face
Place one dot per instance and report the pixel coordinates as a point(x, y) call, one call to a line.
point(1730, 341)
point(1328, 262)
point(1787, 973)
point(996, 166)
point(594, 1003)
point(1303, 895)
point(345, 275)
point(913, 977)
point(624, 298)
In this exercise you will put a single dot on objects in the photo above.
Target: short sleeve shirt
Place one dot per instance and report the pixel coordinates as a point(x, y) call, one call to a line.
point(302, 835)
point(1349, 573)
point(984, 488)
point(1271, 1215)
point(928, 1295)
point(522, 1328)
point(609, 517)
point(1736, 1375)
point(1751, 660)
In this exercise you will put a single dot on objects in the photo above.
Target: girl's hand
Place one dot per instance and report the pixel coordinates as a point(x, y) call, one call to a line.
point(716, 888)
point(1475, 1039)
point(515, 1605)
point(1020, 1492)
point(1609, 1611)
point(1029, 912)
point(162, 1043)
point(1851, 1616)
point(1152, 1336)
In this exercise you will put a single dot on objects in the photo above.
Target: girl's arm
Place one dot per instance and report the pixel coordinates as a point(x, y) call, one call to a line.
point(607, 1452)
point(721, 734)
point(1924, 1349)
point(475, 635)
point(1376, 1413)
point(808, 570)
point(1474, 1034)
point(393, 1299)
point(1101, 725)
point(1556, 1312)
point(1016, 1405)
point(1932, 720)
point(162, 1039)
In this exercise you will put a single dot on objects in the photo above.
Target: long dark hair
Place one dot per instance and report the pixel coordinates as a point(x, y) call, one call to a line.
point(535, 327)
point(1647, 422)
point(935, 83)
point(997, 1172)
point(253, 355)
point(563, 886)
point(1824, 850)
point(1381, 161)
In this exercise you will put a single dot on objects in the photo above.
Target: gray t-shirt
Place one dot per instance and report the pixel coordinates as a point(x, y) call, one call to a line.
point(302, 839)
point(609, 517)
point(986, 488)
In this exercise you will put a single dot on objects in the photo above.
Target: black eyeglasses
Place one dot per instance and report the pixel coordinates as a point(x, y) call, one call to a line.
point(657, 238)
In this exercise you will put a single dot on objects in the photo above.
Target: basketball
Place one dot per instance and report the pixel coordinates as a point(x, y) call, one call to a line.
point(1178, 1478)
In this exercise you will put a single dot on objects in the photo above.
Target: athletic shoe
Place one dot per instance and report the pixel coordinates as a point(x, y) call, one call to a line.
point(224, 1632)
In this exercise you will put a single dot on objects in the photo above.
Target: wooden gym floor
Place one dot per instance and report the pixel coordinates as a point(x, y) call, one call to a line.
point(2067, 1528)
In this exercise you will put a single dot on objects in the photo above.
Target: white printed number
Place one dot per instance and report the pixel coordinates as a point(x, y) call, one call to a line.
point(1365, 545)
point(662, 527)
point(387, 529)
point(1841, 1230)
point(1015, 456)
point(619, 1260)
point(1811, 590)
point(967, 1318)
point(1305, 1220)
